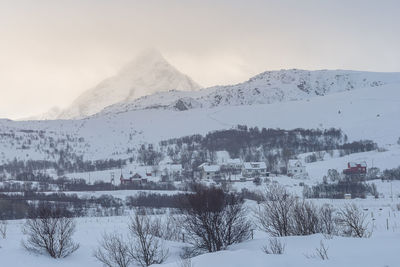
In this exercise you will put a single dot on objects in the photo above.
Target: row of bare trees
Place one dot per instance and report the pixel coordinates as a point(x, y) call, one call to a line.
point(282, 214)
point(210, 221)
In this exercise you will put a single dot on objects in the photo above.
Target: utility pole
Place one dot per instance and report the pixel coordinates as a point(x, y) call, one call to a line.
point(112, 180)
point(391, 189)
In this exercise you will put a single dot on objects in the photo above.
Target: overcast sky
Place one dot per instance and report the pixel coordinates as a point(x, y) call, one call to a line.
point(52, 50)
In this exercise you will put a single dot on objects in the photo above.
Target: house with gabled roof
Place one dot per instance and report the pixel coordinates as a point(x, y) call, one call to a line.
point(209, 171)
point(254, 169)
point(295, 168)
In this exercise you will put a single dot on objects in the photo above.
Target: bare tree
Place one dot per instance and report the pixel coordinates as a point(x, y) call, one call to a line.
point(145, 248)
point(214, 219)
point(275, 246)
point(305, 218)
point(168, 229)
point(113, 251)
point(353, 221)
point(49, 231)
point(274, 213)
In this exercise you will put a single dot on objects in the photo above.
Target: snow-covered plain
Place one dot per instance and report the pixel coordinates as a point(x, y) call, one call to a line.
point(381, 249)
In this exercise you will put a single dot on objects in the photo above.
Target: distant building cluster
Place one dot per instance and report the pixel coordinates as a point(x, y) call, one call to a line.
point(229, 170)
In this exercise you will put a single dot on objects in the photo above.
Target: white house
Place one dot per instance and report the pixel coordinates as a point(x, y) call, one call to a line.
point(208, 171)
point(296, 169)
point(234, 163)
point(254, 169)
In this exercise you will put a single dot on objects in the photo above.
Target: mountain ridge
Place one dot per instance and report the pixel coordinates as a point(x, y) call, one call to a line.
point(265, 88)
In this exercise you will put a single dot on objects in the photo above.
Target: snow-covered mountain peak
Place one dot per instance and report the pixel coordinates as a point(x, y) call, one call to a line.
point(149, 73)
point(147, 60)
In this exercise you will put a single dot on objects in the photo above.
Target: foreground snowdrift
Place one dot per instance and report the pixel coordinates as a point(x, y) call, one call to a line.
point(379, 250)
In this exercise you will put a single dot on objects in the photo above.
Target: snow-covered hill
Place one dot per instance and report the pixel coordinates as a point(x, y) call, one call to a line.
point(147, 74)
point(265, 88)
point(369, 113)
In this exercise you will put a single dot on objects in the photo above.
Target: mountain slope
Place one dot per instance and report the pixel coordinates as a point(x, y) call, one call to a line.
point(265, 88)
point(369, 113)
point(147, 74)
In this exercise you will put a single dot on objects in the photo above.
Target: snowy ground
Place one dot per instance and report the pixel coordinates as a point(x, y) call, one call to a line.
point(379, 250)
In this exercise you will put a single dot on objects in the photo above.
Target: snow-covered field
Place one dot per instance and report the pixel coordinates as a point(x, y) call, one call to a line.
point(381, 249)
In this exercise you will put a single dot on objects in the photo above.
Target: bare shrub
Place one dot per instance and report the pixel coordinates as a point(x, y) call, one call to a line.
point(320, 155)
point(214, 219)
point(190, 252)
point(185, 263)
point(281, 214)
point(49, 231)
point(3, 229)
point(305, 218)
point(145, 248)
point(168, 229)
point(327, 220)
point(113, 251)
point(275, 246)
point(274, 213)
point(320, 253)
point(353, 221)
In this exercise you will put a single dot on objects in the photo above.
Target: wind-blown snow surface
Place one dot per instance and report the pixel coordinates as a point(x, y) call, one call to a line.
point(147, 74)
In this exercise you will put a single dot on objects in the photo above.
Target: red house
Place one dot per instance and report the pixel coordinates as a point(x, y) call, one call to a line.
point(355, 168)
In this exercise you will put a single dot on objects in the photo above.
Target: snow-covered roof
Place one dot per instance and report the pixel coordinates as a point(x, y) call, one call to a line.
point(203, 164)
point(293, 162)
point(172, 167)
point(354, 164)
point(211, 168)
point(254, 165)
point(234, 161)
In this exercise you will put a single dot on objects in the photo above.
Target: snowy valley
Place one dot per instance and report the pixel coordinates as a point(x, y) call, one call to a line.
point(145, 142)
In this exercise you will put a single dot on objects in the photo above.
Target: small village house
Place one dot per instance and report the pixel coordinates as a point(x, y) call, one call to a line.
point(251, 170)
point(135, 179)
point(208, 171)
point(356, 168)
point(296, 169)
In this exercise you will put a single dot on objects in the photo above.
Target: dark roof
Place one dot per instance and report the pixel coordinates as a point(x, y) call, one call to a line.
point(136, 175)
